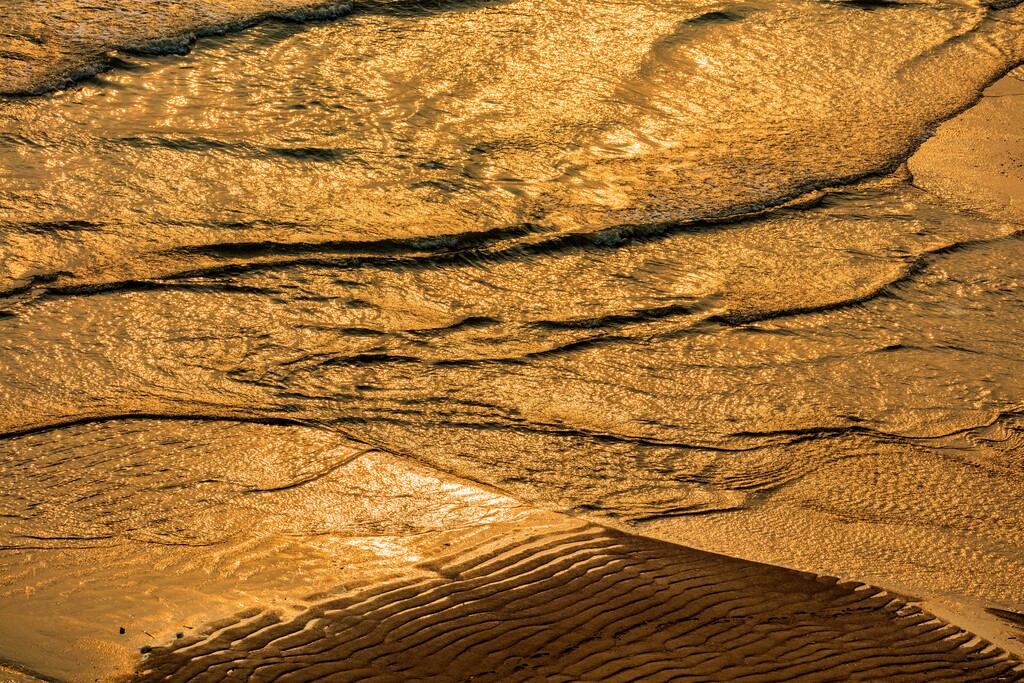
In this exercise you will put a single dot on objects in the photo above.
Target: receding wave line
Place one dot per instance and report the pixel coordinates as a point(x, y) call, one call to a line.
point(48, 45)
point(496, 244)
point(69, 40)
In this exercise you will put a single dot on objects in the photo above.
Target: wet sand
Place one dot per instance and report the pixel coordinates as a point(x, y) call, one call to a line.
point(977, 159)
point(570, 602)
point(375, 568)
point(265, 551)
point(906, 532)
point(908, 517)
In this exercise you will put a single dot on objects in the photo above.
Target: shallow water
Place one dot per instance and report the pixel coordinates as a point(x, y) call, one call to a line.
point(649, 262)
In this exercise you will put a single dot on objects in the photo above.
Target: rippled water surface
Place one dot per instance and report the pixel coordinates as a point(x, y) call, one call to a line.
point(649, 261)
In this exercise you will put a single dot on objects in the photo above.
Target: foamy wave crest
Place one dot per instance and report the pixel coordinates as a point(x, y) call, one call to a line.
point(47, 44)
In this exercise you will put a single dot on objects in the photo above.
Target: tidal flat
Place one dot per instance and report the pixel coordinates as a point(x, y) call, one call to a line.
point(511, 340)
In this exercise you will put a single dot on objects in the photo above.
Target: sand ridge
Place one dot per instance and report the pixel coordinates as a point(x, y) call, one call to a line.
point(586, 603)
point(379, 568)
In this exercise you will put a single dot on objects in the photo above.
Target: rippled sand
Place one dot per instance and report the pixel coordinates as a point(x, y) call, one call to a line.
point(257, 552)
point(407, 345)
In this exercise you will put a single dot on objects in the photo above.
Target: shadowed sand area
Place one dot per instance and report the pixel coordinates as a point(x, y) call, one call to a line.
point(234, 551)
point(583, 603)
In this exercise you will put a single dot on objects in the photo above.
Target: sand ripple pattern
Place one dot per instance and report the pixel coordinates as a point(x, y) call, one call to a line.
point(590, 605)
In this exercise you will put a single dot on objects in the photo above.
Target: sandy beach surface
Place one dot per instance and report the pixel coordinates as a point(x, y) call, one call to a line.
point(977, 159)
point(327, 360)
point(904, 518)
point(375, 568)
